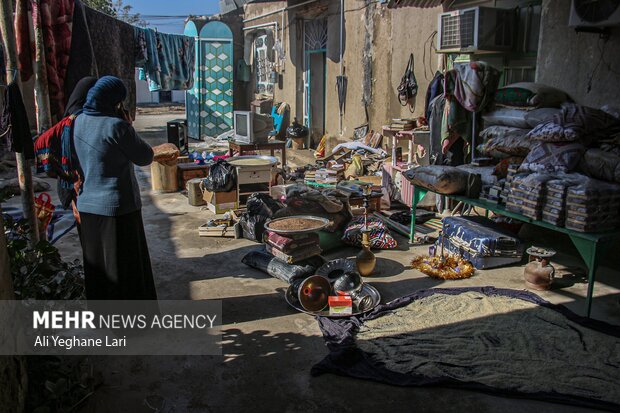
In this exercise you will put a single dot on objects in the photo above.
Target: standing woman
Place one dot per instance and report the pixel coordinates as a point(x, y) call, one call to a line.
point(117, 265)
point(55, 153)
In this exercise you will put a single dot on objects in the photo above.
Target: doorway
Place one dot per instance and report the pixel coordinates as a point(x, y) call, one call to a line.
point(315, 78)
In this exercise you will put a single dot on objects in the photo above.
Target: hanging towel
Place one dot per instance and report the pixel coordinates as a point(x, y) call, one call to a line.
point(14, 126)
point(166, 61)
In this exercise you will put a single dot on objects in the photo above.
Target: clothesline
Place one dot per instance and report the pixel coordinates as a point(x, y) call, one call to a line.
point(81, 41)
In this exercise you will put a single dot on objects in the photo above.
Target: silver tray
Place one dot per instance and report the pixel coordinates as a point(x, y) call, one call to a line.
point(292, 300)
point(324, 223)
point(246, 160)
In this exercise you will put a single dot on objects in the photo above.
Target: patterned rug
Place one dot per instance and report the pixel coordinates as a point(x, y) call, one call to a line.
point(497, 340)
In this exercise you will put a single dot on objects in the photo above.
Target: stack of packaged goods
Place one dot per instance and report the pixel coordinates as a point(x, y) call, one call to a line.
point(527, 194)
point(403, 124)
point(292, 248)
point(310, 177)
point(504, 188)
point(593, 206)
point(554, 208)
point(329, 176)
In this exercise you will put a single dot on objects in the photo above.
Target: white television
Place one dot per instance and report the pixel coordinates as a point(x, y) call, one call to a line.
point(251, 127)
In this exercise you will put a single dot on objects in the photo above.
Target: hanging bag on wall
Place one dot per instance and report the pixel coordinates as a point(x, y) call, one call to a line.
point(408, 87)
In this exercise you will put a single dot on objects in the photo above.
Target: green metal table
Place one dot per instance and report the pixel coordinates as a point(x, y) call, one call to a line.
point(592, 246)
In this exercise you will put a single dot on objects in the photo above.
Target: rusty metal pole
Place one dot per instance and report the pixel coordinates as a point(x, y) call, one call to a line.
point(24, 172)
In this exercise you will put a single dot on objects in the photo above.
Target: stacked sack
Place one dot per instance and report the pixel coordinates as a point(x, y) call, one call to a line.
point(564, 142)
point(593, 206)
point(518, 108)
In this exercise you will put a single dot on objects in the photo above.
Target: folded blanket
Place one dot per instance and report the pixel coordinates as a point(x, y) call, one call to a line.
point(288, 244)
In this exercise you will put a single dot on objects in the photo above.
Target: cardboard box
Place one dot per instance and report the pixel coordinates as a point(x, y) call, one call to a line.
point(221, 202)
point(340, 304)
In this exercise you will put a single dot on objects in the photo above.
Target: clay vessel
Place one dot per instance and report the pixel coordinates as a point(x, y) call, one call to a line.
point(538, 274)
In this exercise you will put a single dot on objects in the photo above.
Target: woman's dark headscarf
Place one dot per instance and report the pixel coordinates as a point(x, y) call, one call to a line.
point(104, 97)
point(74, 106)
point(78, 96)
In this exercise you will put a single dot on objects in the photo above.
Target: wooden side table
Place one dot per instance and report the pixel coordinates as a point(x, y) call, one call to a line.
point(242, 147)
point(396, 135)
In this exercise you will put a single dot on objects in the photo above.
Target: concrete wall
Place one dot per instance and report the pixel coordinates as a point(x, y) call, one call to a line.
point(567, 59)
point(394, 34)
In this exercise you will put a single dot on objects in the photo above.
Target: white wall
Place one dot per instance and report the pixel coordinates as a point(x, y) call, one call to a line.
point(143, 95)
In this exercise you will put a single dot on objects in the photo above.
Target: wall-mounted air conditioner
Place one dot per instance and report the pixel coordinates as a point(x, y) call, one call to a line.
point(477, 30)
point(594, 13)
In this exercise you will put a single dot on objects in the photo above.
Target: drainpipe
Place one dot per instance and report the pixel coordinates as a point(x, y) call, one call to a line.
point(341, 54)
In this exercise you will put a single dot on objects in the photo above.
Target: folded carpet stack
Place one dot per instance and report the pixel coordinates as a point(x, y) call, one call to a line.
point(292, 248)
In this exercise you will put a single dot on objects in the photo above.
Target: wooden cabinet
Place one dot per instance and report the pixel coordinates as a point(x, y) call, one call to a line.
point(252, 179)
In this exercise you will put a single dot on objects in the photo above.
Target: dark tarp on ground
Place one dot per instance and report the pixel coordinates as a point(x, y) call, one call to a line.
point(434, 355)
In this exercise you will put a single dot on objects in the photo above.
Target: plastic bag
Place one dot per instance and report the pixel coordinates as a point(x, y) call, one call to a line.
point(253, 226)
point(222, 177)
point(44, 211)
point(262, 204)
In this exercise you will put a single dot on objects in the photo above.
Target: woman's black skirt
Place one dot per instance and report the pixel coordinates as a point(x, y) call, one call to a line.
point(117, 265)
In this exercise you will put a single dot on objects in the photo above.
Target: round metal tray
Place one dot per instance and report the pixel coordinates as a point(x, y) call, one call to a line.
point(291, 299)
point(252, 160)
point(323, 223)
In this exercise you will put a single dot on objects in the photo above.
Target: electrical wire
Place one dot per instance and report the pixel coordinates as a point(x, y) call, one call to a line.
point(431, 47)
point(602, 42)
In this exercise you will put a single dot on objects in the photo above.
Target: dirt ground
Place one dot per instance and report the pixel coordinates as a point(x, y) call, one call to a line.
point(269, 348)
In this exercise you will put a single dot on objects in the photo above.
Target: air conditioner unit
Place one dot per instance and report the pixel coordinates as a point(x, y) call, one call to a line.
point(477, 30)
point(594, 13)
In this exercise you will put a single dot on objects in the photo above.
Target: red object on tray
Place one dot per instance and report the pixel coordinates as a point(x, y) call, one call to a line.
point(340, 301)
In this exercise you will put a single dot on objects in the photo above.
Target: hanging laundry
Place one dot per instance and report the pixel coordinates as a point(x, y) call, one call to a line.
point(166, 61)
point(54, 155)
point(112, 45)
point(25, 43)
point(14, 126)
point(435, 88)
point(54, 19)
point(82, 62)
point(472, 84)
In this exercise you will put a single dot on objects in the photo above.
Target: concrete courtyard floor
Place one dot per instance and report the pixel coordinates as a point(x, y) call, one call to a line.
point(269, 348)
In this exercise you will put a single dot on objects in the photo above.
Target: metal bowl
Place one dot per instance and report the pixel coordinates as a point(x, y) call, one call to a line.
point(252, 160)
point(321, 223)
point(293, 301)
point(333, 269)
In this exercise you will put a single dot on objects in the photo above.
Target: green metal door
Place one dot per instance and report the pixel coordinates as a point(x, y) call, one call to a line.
point(209, 104)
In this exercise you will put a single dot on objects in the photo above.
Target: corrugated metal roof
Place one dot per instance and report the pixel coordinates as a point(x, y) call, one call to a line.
point(414, 3)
